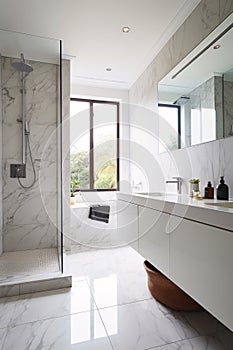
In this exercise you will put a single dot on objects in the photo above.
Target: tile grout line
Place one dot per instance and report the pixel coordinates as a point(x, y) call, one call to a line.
point(97, 309)
point(12, 325)
point(105, 330)
point(5, 337)
point(123, 304)
point(181, 340)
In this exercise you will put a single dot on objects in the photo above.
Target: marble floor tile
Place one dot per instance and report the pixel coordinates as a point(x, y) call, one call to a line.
point(202, 322)
point(115, 276)
point(198, 343)
point(108, 308)
point(2, 337)
point(82, 331)
point(52, 304)
point(142, 325)
point(7, 308)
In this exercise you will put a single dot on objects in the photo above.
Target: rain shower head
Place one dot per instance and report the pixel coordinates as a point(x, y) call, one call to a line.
point(21, 66)
point(182, 100)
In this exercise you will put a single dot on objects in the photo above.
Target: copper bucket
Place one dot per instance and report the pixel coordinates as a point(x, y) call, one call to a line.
point(167, 292)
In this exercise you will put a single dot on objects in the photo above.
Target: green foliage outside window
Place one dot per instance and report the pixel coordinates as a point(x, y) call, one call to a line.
point(105, 176)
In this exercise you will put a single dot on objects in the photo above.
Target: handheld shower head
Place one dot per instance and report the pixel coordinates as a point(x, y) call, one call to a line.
point(21, 65)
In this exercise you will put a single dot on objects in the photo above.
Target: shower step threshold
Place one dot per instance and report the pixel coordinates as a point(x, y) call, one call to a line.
point(38, 283)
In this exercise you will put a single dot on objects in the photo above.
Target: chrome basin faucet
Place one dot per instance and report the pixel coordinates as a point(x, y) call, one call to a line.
point(178, 181)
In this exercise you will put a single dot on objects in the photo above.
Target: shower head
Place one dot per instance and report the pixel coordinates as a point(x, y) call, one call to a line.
point(182, 100)
point(21, 65)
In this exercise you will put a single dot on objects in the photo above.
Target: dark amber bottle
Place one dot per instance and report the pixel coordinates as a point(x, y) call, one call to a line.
point(209, 191)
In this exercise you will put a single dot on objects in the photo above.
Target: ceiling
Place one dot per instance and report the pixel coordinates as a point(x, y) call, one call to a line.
point(92, 34)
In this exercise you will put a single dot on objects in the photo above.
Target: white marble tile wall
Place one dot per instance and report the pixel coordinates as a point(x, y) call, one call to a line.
point(206, 161)
point(29, 214)
point(228, 108)
point(86, 233)
point(1, 227)
point(218, 98)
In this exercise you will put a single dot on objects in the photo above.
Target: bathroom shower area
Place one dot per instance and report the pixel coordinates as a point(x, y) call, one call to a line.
point(31, 199)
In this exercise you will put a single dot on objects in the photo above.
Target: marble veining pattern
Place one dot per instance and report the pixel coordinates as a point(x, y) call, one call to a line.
point(29, 236)
point(226, 7)
point(102, 312)
point(1, 223)
point(205, 161)
point(29, 216)
point(228, 107)
point(91, 233)
point(200, 343)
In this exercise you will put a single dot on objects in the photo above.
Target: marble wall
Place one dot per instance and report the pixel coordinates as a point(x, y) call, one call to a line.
point(27, 221)
point(1, 228)
point(207, 161)
point(85, 233)
point(228, 108)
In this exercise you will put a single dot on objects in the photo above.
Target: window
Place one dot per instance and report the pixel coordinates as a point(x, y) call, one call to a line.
point(94, 153)
point(169, 127)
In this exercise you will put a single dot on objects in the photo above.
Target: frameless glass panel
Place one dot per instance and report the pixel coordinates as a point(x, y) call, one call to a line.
point(228, 103)
point(168, 128)
point(80, 145)
point(31, 77)
point(105, 145)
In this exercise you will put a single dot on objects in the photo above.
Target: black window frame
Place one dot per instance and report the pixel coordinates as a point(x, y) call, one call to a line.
point(91, 148)
point(179, 120)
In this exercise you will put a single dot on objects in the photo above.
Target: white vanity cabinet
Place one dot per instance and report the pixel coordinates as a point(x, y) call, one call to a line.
point(154, 238)
point(127, 223)
point(201, 264)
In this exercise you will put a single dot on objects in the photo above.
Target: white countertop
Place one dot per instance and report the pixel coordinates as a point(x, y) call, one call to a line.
point(184, 206)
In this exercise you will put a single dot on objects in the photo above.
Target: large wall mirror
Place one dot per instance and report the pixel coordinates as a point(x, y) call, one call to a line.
point(202, 86)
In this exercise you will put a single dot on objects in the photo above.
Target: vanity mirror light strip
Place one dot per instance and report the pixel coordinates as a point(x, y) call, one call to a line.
point(203, 50)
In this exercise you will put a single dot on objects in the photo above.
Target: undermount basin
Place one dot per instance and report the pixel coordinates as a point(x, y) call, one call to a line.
point(221, 204)
point(154, 194)
point(157, 194)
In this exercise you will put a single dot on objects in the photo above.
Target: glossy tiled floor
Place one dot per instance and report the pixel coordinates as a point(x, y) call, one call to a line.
point(108, 308)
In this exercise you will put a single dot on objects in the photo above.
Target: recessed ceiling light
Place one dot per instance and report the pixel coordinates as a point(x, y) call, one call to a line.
point(216, 47)
point(108, 69)
point(125, 29)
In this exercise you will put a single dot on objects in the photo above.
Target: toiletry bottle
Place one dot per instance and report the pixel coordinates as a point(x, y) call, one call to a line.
point(209, 191)
point(222, 190)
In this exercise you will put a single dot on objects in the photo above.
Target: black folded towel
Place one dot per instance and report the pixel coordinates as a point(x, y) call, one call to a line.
point(99, 213)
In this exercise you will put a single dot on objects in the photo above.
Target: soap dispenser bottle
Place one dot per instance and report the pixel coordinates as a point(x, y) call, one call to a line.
point(209, 191)
point(222, 190)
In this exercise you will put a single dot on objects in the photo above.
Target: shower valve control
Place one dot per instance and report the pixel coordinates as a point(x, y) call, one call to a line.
point(18, 170)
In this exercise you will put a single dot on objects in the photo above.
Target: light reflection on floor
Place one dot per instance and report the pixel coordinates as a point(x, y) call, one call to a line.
point(109, 307)
point(88, 327)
